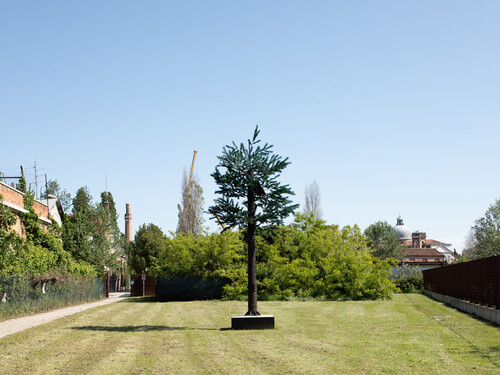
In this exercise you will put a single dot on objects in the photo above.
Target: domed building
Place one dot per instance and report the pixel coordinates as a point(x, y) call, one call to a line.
point(403, 232)
point(420, 251)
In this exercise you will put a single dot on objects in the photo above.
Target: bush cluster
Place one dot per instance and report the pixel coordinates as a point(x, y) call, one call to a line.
point(408, 279)
point(306, 259)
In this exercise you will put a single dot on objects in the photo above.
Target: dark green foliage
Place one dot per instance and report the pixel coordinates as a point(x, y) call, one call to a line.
point(409, 279)
point(10, 242)
point(32, 227)
point(7, 218)
point(149, 242)
point(21, 185)
point(45, 253)
point(256, 169)
point(91, 234)
point(251, 196)
point(87, 238)
point(384, 241)
point(107, 198)
point(110, 217)
point(82, 200)
point(485, 235)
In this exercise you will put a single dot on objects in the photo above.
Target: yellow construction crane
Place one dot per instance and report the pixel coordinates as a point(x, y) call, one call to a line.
point(192, 166)
point(220, 222)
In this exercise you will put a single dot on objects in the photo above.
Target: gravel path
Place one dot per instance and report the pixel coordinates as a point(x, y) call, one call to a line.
point(8, 327)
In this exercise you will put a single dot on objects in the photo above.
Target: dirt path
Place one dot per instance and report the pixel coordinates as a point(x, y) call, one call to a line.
point(8, 327)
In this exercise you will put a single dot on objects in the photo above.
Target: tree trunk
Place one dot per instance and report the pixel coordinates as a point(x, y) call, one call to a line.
point(252, 259)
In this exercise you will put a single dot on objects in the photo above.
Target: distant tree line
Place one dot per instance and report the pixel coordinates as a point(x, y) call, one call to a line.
point(305, 259)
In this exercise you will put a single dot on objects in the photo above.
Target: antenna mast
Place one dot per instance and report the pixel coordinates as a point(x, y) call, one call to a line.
point(47, 195)
point(106, 201)
point(36, 183)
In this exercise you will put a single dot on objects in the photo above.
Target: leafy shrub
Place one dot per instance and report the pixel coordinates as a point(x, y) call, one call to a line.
point(211, 255)
point(306, 259)
point(409, 279)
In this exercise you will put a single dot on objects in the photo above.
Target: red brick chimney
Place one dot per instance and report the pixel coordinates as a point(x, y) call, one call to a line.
point(128, 224)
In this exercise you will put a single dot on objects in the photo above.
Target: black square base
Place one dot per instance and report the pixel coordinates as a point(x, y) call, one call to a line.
point(252, 322)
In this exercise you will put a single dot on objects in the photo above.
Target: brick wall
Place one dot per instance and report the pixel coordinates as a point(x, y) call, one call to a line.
point(11, 195)
point(16, 198)
point(41, 209)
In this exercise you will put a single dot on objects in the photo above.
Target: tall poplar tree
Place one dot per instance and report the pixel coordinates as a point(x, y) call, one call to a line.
point(191, 207)
point(313, 200)
point(251, 196)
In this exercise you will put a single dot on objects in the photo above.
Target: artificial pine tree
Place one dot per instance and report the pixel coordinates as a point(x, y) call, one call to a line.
point(251, 196)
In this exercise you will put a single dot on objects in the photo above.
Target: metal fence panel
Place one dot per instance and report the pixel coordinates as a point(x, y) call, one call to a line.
point(21, 295)
point(189, 288)
point(476, 281)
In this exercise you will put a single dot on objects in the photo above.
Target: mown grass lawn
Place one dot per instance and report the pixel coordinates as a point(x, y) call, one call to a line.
point(408, 334)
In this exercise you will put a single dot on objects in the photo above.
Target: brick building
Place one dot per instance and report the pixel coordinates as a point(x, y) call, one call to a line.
point(420, 251)
point(48, 210)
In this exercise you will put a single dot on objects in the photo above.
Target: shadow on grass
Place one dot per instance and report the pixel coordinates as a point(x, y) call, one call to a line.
point(143, 328)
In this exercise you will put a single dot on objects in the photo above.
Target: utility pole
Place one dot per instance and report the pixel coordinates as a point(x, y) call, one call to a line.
point(46, 190)
point(36, 183)
point(106, 202)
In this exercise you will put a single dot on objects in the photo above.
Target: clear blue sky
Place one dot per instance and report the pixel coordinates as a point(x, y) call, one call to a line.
point(391, 106)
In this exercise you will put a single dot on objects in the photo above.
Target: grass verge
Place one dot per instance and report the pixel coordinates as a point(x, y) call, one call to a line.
point(409, 334)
